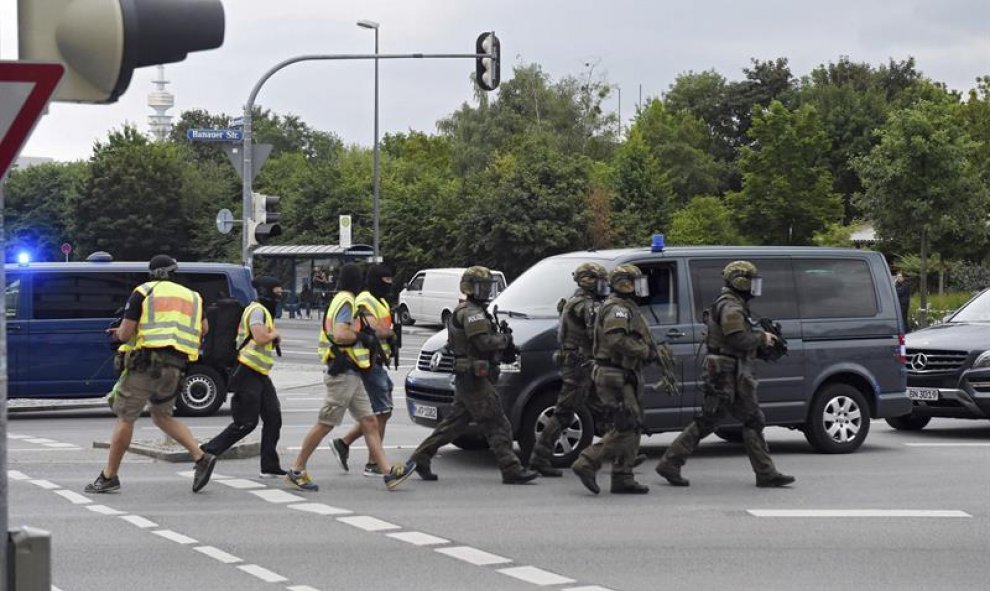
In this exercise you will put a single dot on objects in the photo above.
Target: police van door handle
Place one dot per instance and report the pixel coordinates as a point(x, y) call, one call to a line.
point(675, 333)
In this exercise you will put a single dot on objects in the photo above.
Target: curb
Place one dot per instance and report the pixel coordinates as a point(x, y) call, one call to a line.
point(171, 451)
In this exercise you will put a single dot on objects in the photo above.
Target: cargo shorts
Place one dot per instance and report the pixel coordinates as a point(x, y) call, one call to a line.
point(345, 392)
point(136, 389)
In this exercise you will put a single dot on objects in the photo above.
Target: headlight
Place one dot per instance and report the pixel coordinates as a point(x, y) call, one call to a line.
point(514, 367)
point(983, 360)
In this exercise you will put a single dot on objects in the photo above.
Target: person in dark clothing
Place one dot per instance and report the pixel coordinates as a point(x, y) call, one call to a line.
point(903, 297)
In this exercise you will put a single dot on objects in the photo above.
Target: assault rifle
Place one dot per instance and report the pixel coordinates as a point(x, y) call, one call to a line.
point(371, 340)
point(510, 353)
point(397, 339)
point(668, 373)
point(779, 347)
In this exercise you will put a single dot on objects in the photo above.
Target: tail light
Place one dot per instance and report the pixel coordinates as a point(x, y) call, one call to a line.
point(901, 351)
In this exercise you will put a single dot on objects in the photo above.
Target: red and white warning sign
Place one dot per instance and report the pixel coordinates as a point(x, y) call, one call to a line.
point(25, 89)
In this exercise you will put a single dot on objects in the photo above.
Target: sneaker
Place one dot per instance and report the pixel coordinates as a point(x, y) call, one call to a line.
point(340, 451)
point(371, 470)
point(276, 473)
point(302, 480)
point(102, 484)
point(399, 474)
point(203, 471)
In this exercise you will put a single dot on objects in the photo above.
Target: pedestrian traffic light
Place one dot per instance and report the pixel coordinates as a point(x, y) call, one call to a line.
point(265, 224)
point(487, 68)
point(101, 42)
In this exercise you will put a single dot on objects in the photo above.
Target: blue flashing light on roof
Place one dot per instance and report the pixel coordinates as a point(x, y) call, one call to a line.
point(23, 258)
point(658, 243)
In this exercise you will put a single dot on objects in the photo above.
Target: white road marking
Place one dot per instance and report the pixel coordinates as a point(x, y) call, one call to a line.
point(214, 476)
point(240, 483)
point(473, 555)
point(16, 436)
point(139, 521)
point(587, 588)
point(262, 573)
point(60, 445)
point(418, 538)
point(54, 588)
point(276, 496)
point(301, 588)
point(45, 484)
point(73, 448)
point(367, 523)
point(319, 509)
point(104, 510)
point(16, 475)
point(175, 536)
point(854, 513)
point(40, 440)
point(947, 444)
point(218, 554)
point(536, 576)
point(74, 497)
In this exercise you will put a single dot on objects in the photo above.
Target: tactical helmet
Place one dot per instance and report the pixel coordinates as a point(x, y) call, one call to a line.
point(742, 276)
point(161, 266)
point(477, 283)
point(628, 279)
point(587, 275)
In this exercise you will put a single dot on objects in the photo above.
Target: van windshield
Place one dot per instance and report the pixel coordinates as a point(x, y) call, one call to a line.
point(536, 292)
point(977, 310)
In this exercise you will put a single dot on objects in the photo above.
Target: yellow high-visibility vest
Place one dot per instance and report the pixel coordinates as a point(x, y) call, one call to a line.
point(171, 316)
point(358, 353)
point(380, 309)
point(257, 357)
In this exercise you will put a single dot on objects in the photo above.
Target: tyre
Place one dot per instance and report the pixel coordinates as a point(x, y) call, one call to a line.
point(444, 317)
point(574, 437)
point(909, 422)
point(730, 435)
point(202, 392)
point(471, 442)
point(839, 419)
point(405, 318)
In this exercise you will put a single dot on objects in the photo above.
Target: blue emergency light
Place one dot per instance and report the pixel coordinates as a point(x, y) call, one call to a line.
point(658, 243)
point(23, 258)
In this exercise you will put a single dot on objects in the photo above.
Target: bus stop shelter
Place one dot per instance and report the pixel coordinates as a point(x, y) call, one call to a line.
point(313, 265)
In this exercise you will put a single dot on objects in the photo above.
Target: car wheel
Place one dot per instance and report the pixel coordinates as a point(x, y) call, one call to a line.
point(405, 318)
point(472, 442)
point(444, 317)
point(573, 438)
point(909, 422)
point(202, 392)
point(730, 435)
point(839, 420)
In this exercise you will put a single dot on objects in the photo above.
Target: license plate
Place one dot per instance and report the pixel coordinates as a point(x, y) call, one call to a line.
point(425, 412)
point(922, 394)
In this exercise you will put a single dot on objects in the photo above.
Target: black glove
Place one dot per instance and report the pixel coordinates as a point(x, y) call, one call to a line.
point(366, 339)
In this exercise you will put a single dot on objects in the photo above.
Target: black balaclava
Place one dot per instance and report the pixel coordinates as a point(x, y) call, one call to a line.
point(379, 280)
point(349, 279)
point(265, 285)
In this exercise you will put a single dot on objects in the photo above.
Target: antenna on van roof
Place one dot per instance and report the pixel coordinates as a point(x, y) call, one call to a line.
point(100, 256)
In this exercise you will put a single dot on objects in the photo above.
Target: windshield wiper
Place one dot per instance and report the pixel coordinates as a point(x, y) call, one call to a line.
point(513, 313)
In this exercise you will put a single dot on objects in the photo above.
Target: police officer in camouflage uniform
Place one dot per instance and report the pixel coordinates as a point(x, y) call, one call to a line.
point(575, 335)
point(729, 386)
point(622, 346)
point(478, 348)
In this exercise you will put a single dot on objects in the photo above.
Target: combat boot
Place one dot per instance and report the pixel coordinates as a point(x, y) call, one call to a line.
point(520, 476)
point(628, 486)
point(587, 476)
point(672, 473)
point(544, 467)
point(777, 479)
point(423, 469)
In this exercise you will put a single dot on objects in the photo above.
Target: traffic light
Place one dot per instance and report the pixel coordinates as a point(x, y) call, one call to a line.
point(265, 224)
point(486, 69)
point(101, 42)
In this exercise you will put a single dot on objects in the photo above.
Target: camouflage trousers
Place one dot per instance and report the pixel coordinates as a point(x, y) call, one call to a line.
point(573, 394)
point(621, 443)
point(475, 400)
point(729, 389)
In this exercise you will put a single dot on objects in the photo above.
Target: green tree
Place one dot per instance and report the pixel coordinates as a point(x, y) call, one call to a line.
point(705, 220)
point(36, 208)
point(787, 192)
point(921, 185)
point(643, 197)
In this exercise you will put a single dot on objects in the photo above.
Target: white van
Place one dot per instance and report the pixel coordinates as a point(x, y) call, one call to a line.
point(431, 295)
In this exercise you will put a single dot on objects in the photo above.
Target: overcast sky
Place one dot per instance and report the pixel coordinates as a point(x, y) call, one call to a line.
point(635, 44)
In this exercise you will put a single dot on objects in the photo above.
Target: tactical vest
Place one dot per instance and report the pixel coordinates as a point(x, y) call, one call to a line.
point(458, 339)
point(577, 323)
point(715, 339)
point(357, 352)
point(637, 328)
point(171, 316)
point(257, 357)
point(380, 309)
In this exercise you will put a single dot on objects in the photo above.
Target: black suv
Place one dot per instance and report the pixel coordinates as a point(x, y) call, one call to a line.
point(949, 367)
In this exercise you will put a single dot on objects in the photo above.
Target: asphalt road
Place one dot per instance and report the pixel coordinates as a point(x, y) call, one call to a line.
point(907, 511)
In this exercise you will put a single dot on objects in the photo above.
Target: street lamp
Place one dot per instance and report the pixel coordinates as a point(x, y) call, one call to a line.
point(376, 181)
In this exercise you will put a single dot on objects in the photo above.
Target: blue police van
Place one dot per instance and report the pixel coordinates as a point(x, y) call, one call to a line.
point(57, 315)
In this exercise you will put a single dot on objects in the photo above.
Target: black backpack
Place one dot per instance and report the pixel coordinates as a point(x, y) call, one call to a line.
point(220, 343)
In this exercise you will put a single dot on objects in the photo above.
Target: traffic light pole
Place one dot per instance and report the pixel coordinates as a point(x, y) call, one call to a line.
point(248, 147)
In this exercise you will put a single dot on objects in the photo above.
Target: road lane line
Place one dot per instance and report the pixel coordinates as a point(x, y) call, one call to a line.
point(16, 436)
point(368, 523)
point(240, 483)
point(104, 510)
point(218, 554)
point(214, 476)
point(536, 576)
point(45, 484)
point(139, 521)
point(263, 573)
point(301, 588)
point(319, 509)
point(855, 513)
point(175, 536)
point(473, 555)
point(276, 496)
point(418, 538)
point(17, 475)
point(60, 445)
point(74, 497)
point(947, 444)
point(40, 440)
point(587, 588)
point(73, 448)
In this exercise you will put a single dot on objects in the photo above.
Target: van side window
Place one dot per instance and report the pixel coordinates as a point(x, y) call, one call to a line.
point(417, 283)
point(211, 286)
point(835, 288)
point(662, 302)
point(58, 296)
point(779, 299)
point(12, 295)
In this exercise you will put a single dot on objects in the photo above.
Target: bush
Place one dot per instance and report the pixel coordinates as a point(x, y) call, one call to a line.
point(939, 306)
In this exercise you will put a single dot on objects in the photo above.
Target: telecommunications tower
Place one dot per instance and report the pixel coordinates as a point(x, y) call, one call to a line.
point(160, 101)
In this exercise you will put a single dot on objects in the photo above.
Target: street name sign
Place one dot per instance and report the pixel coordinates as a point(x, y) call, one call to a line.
point(214, 135)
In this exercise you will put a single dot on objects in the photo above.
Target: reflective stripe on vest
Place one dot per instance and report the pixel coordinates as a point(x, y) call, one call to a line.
point(358, 353)
point(171, 316)
point(257, 357)
point(380, 309)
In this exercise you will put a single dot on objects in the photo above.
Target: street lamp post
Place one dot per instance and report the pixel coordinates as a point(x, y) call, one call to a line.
point(376, 182)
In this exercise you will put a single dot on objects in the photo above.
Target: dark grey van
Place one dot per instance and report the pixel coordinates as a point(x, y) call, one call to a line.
point(837, 307)
point(57, 314)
